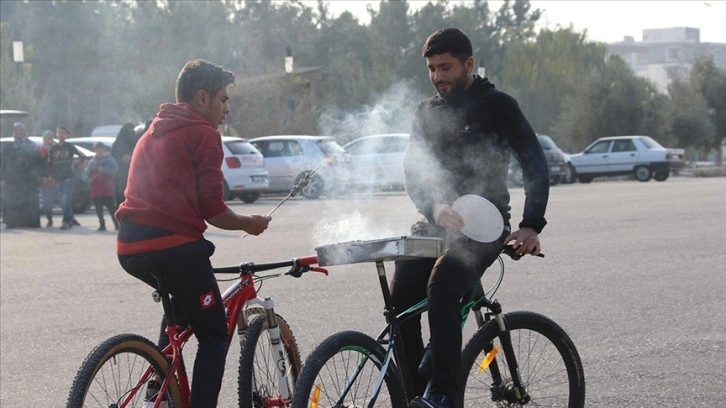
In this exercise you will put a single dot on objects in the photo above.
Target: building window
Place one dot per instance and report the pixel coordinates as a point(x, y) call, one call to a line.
point(674, 54)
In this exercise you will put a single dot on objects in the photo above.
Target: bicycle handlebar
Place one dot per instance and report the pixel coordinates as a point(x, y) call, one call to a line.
point(511, 251)
point(298, 266)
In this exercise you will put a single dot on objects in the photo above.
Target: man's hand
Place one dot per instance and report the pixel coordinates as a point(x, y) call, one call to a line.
point(447, 218)
point(526, 241)
point(256, 224)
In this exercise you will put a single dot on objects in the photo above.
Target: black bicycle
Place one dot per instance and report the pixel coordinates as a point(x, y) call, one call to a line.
point(513, 359)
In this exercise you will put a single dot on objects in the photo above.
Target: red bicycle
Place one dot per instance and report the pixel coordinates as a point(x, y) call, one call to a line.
point(116, 373)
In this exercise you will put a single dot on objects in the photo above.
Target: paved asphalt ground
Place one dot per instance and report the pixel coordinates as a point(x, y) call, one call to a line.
point(635, 272)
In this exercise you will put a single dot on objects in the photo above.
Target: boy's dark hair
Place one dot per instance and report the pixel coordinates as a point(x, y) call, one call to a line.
point(451, 40)
point(63, 128)
point(199, 74)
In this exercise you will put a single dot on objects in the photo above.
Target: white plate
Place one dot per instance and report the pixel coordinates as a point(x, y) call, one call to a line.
point(482, 220)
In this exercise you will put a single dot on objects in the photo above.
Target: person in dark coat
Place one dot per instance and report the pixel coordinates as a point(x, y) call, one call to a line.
point(20, 175)
point(121, 151)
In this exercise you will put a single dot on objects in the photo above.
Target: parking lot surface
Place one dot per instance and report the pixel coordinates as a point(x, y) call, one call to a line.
point(634, 272)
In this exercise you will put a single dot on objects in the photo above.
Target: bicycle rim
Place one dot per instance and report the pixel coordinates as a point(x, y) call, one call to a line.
point(549, 364)
point(112, 372)
point(343, 372)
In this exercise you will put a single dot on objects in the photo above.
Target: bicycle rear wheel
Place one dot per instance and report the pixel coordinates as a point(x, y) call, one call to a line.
point(258, 386)
point(112, 372)
point(549, 364)
point(342, 372)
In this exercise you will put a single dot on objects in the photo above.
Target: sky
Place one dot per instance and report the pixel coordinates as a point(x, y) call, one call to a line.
point(607, 21)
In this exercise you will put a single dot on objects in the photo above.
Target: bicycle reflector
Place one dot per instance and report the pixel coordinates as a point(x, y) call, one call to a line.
point(316, 396)
point(488, 359)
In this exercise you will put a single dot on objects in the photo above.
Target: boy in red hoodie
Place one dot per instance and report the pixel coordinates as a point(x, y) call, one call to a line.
point(175, 184)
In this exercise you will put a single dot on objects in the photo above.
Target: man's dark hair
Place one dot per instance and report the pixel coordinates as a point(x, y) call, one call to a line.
point(451, 40)
point(199, 74)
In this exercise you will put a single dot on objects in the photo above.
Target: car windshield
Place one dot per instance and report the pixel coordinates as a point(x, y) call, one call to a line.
point(546, 142)
point(241, 147)
point(329, 146)
point(650, 143)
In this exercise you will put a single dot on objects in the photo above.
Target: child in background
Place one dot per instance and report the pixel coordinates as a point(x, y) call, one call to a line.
point(100, 174)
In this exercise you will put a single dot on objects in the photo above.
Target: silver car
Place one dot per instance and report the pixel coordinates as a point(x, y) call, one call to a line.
point(243, 166)
point(376, 162)
point(289, 158)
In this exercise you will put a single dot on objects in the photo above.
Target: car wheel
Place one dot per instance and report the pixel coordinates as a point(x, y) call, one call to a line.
point(661, 176)
point(555, 180)
point(226, 195)
point(248, 198)
point(584, 179)
point(314, 188)
point(643, 173)
point(569, 176)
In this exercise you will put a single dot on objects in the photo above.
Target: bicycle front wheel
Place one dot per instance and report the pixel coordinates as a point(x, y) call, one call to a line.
point(342, 372)
point(549, 364)
point(112, 374)
point(258, 384)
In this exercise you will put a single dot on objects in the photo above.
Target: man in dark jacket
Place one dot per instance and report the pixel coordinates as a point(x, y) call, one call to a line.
point(22, 166)
point(461, 143)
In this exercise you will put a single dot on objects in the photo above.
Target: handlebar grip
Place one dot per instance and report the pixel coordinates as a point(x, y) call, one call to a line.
point(307, 260)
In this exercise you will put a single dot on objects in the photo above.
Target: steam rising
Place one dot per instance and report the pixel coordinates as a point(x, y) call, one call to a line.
point(349, 225)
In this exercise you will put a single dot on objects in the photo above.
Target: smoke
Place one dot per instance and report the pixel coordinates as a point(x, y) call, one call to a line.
point(346, 224)
point(391, 112)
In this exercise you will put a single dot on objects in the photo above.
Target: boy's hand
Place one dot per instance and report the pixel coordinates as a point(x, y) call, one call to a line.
point(256, 224)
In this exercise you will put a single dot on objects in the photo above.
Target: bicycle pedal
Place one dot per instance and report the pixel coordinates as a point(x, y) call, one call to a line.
point(156, 296)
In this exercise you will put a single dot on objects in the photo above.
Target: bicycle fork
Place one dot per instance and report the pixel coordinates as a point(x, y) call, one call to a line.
point(518, 392)
point(278, 351)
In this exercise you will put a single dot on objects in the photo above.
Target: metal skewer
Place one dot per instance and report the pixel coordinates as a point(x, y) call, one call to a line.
point(296, 188)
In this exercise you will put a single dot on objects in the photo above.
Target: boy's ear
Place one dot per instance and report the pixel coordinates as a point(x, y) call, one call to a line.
point(201, 98)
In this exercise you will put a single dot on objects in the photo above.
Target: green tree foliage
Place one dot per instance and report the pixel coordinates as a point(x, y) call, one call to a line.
point(542, 73)
point(710, 81)
point(611, 101)
point(690, 122)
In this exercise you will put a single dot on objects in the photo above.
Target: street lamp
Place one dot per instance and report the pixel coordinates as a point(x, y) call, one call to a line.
point(18, 56)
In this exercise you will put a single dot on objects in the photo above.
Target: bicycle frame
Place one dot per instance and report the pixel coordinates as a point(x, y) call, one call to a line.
point(390, 335)
point(235, 298)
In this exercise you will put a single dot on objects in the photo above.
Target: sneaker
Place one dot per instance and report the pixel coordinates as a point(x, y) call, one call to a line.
point(433, 401)
point(65, 226)
point(424, 368)
point(76, 223)
point(101, 228)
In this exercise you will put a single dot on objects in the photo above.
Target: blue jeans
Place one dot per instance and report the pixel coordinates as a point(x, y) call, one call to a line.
point(49, 194)
point(65, 189)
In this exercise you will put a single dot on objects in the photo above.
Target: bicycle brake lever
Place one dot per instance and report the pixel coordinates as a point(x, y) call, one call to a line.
point(318, 269)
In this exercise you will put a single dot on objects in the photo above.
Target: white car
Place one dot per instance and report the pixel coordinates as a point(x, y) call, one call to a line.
point(640, 156)
point(289, 158)
point(89, 141)
point(243, 166)
point(376, 161)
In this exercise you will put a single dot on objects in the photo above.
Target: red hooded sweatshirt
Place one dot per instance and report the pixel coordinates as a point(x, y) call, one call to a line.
point(175, 179)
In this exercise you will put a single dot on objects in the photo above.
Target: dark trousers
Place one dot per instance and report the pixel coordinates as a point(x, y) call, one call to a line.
point(445, 281)
point(110, 203)
point(196, 301)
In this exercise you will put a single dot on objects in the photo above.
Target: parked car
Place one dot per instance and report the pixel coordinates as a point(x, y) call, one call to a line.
point(88, 141)
point(559, 171)
point(289, 158)
point(376, 162)
point(245, 176)
point(81, 192)
point(640, 156)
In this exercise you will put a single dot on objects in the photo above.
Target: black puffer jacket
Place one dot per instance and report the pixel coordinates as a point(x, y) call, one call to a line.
point(463, 146)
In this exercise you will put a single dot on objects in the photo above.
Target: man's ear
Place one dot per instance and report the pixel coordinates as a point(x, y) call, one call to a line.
point(202, 98)
point(469, 64)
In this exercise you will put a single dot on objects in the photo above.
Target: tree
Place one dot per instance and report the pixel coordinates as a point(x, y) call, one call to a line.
point(689, 118)
point(542, 73)
point(710, 81)
point(612, 101)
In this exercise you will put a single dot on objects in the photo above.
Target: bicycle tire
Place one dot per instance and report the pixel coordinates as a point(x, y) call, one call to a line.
point(328, 369)
point(257, 381)
point(549, 364)
point(113, 369)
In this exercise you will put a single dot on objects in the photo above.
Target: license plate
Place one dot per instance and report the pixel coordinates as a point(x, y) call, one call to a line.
point(259, 179)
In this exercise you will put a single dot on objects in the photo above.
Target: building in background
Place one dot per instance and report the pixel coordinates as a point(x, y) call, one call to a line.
point(667, 53)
